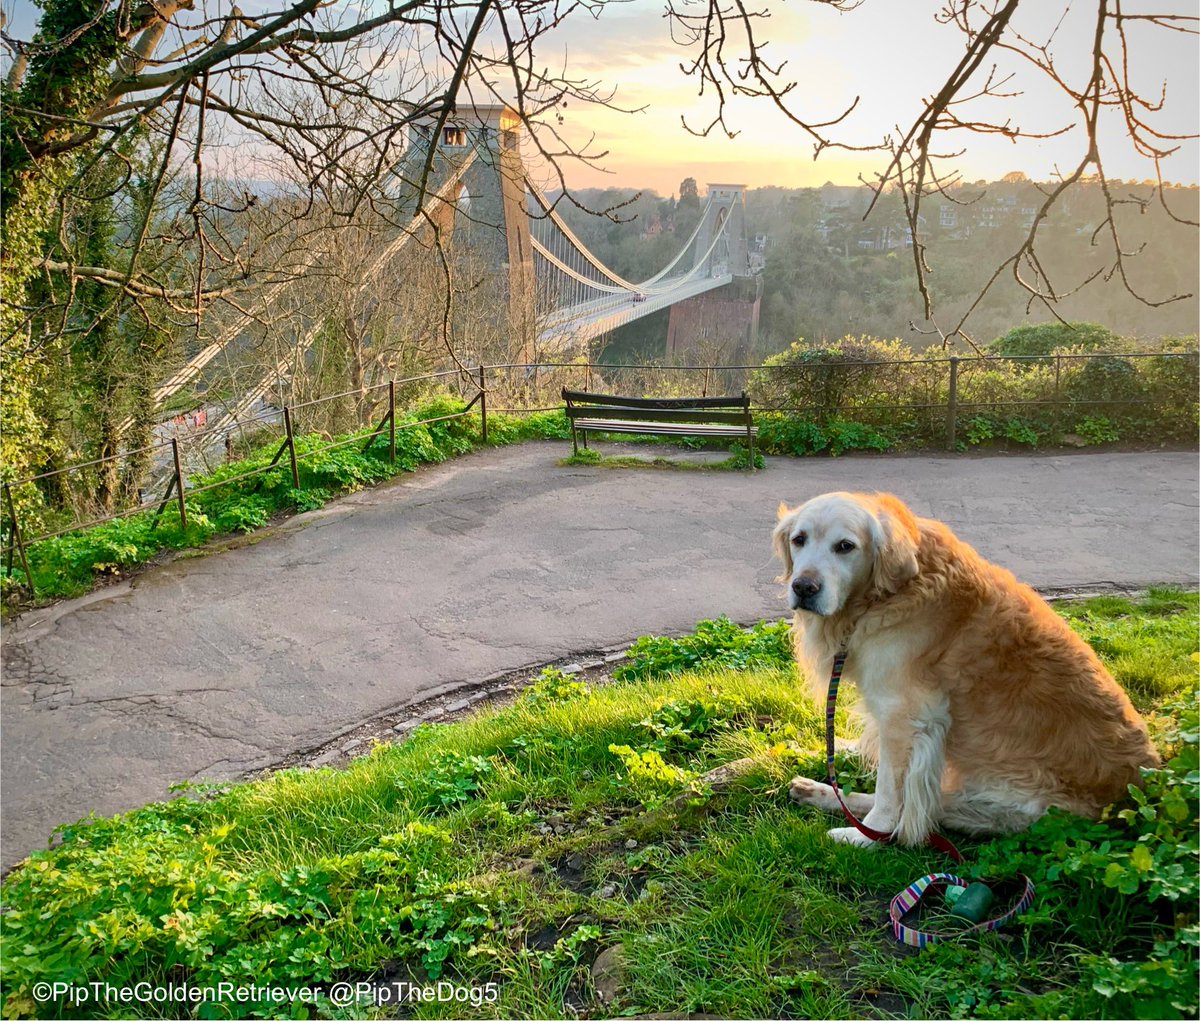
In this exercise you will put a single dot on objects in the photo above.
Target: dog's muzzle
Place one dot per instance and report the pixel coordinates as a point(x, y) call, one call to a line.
point(804, 594)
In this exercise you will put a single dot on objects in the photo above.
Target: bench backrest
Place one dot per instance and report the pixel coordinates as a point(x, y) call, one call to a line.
point(657, 409)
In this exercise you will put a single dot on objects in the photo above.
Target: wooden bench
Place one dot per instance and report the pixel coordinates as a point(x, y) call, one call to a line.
point(660, 416)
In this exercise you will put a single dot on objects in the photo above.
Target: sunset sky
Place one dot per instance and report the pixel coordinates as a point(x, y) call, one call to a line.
point(892, 53)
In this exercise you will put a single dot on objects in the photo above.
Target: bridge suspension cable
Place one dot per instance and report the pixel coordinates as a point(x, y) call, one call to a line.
point(561, 224)
point(676, 282)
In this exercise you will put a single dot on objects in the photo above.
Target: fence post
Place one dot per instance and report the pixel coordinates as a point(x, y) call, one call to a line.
point(707, 377)
point(952, 404)
point(1057, 374)
point(179, 483)
point(391, 421)
point(291, 445)
point(483, 402)
point(20, 543)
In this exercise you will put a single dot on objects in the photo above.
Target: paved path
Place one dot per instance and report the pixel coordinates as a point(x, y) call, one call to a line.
point(214, 665)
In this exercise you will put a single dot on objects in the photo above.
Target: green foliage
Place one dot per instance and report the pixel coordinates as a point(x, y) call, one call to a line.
point(739, 457)
point(980, 429)
point(451, 780)
point(1019, 431)
point(69, 564)
point(825, 381)
point(835, 398)
point(156, 893)
point(684, 726)
point(649, 775)
point(719, 643)
point(1097, 429)
point(553, 687)
point(1046, 338)
point(782, 434)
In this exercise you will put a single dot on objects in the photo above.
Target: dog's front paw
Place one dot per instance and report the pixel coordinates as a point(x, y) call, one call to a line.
point(804, 791)
point(849, 835)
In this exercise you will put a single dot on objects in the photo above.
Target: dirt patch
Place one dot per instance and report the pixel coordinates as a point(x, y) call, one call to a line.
point(881, 1003)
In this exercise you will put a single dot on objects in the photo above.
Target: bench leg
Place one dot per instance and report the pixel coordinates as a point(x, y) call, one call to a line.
point(750, 447)
point(574, 440)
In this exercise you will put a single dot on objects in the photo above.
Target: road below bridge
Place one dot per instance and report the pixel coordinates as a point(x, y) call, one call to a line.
point(215, 665)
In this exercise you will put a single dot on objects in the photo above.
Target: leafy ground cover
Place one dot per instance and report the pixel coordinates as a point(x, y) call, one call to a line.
point(512, 854)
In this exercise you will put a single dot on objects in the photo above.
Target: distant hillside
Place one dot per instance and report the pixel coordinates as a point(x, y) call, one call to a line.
point(829, 273)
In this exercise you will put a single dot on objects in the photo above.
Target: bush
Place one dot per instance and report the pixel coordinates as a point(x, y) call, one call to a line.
point(1046, 338)
point(823, 382)
point(780, 434)
point(832, 398)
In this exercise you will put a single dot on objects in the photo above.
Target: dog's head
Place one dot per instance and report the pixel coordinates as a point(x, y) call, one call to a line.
point(840, 546)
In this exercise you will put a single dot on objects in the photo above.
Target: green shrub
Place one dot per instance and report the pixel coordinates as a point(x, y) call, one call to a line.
point(1113, 380)
point(823, 382)
point(1097, 429)
point(783, 434)
point(1046, 338)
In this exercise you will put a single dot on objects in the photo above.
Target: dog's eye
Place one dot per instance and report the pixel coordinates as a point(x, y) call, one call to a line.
point(845, 546)
point(799, 539)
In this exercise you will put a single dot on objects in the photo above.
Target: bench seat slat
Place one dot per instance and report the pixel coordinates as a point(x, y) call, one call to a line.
point(666, 428)
point(647, 415)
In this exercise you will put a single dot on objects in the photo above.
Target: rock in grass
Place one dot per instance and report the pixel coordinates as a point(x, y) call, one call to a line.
point(608, 974)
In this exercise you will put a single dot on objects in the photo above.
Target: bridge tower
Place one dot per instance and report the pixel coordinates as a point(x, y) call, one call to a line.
point(477, 161)
point(720, 324)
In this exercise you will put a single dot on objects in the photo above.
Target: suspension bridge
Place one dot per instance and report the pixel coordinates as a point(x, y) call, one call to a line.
point(475, 184)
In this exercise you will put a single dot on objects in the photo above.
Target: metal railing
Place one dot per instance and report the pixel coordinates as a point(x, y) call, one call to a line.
point(528, 387)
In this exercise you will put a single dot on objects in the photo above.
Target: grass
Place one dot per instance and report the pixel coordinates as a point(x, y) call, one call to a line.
point(735, 462)
point(512, 847)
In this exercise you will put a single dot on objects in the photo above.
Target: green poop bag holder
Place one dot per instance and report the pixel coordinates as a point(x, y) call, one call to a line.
point(968, 902)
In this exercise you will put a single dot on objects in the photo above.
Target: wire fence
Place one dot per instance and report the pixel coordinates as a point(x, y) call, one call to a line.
point(933, 396)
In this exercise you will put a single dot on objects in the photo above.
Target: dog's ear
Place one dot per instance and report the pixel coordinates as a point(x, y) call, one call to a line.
point(783, 544)
point(896, 540)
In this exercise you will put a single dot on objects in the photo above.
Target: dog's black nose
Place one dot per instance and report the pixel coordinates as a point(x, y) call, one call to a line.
point(806, 587)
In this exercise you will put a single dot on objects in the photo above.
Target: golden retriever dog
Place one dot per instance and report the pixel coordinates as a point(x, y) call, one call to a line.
point(982, 708)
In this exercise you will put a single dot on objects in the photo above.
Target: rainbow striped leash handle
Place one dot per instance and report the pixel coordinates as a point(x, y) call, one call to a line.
point(911, 895)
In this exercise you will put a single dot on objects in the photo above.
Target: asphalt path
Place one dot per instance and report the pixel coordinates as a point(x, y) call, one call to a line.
point(215, 665)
